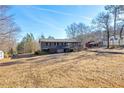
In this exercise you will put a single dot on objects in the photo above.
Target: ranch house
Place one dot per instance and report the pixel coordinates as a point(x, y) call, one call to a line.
point(59, 45)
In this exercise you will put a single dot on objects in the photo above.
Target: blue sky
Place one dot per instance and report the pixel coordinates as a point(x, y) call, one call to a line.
point(52, 19)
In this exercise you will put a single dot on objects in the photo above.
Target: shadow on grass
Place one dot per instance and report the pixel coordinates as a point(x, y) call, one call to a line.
point(23, 56)
point(109, 52)
point(10, 63)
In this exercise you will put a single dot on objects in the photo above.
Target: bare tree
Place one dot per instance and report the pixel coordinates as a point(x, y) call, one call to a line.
point(72, 31)
point(42, 37)
point(103, 20)
point(120, 33)
point(79, 32)
point(8, 29)
point(50, 37)
point(115, 10)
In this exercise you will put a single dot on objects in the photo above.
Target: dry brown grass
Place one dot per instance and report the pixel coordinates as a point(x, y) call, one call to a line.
point(79, 69)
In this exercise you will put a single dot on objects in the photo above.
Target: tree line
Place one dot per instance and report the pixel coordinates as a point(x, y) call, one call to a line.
point(105, 24)
point(29, 44)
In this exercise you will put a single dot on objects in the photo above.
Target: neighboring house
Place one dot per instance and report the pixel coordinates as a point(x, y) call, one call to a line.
point(114, 41)
point(59, 45)
point(1, 55)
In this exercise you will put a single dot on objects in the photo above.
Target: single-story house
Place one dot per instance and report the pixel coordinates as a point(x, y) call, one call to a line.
point(1, 55)
point(59, 45)
point(114, 41)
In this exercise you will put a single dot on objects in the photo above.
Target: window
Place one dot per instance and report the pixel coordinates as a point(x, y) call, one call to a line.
point(50, 44)
point(54, 43)
point(60, 44)
point(46, 44)
point(57, 43)
point(65, 44)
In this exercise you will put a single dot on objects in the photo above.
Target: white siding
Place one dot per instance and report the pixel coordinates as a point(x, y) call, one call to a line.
point(1, 54)
point(114, 41)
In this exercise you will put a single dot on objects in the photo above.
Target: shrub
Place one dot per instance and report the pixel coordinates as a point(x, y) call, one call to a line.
point(7, 54)
point(38, 52)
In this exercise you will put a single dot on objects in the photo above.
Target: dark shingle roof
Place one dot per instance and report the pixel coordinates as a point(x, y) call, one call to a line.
point(58, 40)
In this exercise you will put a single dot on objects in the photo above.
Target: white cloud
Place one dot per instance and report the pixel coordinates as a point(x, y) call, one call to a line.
point(60, 12)
point(38, 20)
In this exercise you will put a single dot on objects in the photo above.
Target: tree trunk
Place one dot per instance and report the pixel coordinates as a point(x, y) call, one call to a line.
point(107, 37)
point(121, 31)
point(121, 35)
point(115, 17)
